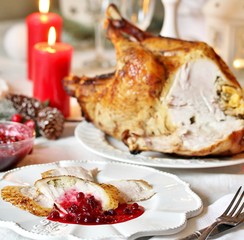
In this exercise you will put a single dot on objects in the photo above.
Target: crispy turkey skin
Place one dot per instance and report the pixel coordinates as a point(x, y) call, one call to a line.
point(166, 95)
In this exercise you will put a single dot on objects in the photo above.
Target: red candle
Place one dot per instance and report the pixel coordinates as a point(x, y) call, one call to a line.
point(51, 63)
point(38, 25)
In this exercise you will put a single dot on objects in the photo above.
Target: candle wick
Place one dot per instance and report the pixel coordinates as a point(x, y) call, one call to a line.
point(51, 48)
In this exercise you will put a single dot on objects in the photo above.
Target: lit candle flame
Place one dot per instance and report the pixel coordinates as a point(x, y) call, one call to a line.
point(44, 6)
point(238, 63)
point(51, 36)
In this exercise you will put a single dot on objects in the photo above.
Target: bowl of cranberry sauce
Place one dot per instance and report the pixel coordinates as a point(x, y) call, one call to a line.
point(16, 141)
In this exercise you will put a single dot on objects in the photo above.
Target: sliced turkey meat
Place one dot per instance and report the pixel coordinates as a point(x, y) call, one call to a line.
point(133, 190)
point(65, 189)
point(27, 198)
point(71, 171)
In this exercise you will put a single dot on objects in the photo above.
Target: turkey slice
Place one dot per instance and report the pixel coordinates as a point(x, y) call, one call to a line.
point(27, 198)
point(65, 189)
point(133, 190)
point(72, 171)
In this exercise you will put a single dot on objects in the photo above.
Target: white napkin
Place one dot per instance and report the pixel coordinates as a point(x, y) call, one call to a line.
point(6, 234)
point(208, 215)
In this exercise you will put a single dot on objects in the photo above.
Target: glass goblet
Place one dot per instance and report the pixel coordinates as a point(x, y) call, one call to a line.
point(139, 12)
point(97, 10)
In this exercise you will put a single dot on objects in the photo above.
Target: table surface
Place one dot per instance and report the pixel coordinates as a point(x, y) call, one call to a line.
point(210, 184)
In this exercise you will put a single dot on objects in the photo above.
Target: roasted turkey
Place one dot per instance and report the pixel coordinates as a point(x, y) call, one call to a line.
point(166, 95)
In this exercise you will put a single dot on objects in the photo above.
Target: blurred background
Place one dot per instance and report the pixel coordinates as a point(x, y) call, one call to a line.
point(78, 24)
point(217, 22)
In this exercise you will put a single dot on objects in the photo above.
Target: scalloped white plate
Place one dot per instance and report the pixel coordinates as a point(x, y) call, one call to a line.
point(165, 213)
point(96, 141)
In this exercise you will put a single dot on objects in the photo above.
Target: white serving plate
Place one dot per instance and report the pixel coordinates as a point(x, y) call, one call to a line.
point(165, 213)
point(99, 143)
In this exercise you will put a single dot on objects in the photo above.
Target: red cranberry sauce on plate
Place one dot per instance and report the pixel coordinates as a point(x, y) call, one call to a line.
point(86, 210)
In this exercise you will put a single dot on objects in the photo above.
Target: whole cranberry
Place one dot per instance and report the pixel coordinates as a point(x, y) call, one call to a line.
point(80, 196)
point(30, 123)
point(54, 215)
point(17, 118)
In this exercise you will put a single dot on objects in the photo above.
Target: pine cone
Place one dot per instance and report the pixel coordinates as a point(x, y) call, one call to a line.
point(50, 122)
point(28, 107)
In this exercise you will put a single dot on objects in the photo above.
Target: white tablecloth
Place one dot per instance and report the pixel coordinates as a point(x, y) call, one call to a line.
point(209, 184)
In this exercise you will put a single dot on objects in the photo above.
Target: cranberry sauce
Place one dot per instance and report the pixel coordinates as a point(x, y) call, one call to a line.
point(86, 210)
point(16, 141)
point(9, 139)
point(12, 132)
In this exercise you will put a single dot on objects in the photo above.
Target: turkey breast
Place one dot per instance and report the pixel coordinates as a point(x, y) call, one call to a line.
point(166, 95)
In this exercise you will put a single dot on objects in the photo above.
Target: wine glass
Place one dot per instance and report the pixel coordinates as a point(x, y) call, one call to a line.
point(97, 10)
point(139, 12)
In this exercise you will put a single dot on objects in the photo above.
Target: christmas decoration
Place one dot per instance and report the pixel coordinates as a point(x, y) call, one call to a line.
point(17, 118)
point(50, 122)
point(46, 121)
point(28, 107)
